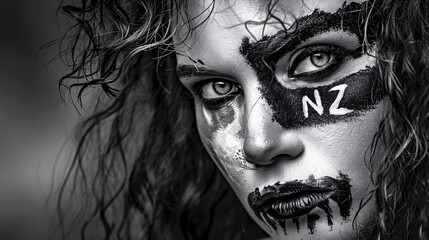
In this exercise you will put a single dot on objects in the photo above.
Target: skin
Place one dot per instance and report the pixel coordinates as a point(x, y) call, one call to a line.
point(244, 134)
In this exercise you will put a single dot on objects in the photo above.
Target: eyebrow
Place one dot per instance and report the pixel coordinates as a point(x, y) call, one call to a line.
point(184, 70)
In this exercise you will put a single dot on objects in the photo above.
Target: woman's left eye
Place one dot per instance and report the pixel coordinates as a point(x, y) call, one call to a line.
point(316, 60)
point(217, 93)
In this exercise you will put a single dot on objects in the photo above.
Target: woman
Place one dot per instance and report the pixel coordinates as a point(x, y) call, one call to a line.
point(313, 111)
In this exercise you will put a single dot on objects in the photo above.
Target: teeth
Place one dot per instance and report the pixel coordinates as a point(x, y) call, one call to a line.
point(280, 209)
point(284, 208)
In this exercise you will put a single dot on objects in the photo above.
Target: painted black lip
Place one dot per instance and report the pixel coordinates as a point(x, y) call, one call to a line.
point(291, 199)
point(274, 204)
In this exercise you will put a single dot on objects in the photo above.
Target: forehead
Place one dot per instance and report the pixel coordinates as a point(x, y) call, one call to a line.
point(219, 27)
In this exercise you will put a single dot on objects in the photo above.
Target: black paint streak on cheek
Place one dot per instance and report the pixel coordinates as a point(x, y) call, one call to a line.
point(343, 197)
point(283, 226)
point(225, 116)
point(296, 222)
point(220, 118)
point(325, 207)
point(311, 222)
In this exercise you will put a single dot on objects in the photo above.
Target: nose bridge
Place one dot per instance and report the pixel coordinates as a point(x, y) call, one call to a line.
point(265, 140)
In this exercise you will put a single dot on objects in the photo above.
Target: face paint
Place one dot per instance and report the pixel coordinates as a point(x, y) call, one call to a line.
point(277, 111)
point(311, 222)
point(228, 151)
point(344, 100)
point(275, 204)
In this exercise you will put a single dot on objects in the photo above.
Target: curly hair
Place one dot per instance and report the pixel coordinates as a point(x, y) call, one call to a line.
point(140, 169)
point(402, 183)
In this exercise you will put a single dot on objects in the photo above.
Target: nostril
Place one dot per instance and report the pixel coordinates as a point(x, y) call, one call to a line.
point(291, 156)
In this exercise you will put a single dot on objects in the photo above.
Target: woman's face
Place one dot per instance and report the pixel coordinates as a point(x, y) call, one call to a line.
point(287, 109)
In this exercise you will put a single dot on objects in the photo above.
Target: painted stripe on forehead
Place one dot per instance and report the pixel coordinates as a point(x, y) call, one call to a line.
point(348, 18)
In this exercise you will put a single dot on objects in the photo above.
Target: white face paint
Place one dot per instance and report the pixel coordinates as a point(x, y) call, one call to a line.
point(335, 109)
point(252, 148)
point(316, 106)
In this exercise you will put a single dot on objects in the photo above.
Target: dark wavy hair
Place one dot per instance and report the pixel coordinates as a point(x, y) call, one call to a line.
point(140, 170)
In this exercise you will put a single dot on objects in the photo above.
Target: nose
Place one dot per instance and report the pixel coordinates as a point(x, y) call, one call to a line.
point(265, 140)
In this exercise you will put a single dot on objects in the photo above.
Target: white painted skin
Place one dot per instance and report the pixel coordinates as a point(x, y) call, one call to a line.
point(245, 125)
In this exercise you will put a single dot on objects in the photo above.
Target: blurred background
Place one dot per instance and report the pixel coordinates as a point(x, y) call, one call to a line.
point(34, 123)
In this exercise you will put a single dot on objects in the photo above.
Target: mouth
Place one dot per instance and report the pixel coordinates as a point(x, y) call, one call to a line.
point(295, 199)
point(292, 199)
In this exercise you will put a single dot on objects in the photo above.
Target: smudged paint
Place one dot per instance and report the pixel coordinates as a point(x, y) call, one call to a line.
point(362, 91)
point(283, 226)
point(296, 222)
point(311, 222)
point(226, 151)
point(220, 119)
point(239, 158)
point(349, 18)
point(325, 207)
point(267, 203)
point(343, 198)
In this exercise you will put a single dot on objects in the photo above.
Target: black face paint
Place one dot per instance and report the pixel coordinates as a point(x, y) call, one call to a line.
point(296, 221)
point(311, 222)
point(278, 203)
point(341, 101)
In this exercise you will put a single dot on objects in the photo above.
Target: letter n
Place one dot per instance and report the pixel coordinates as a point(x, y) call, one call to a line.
point(316, 106)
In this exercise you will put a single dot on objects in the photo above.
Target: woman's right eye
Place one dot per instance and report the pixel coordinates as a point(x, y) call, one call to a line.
point(218, 93)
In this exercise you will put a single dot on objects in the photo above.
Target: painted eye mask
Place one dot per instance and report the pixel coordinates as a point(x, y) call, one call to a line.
point(342, 100)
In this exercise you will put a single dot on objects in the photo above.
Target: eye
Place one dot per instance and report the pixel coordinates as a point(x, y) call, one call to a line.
point(217, 89)
point(316, 61)
point(217, 93)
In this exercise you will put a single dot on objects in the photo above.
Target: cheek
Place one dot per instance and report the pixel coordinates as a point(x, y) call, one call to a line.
point(347, 147)
point(221, 133)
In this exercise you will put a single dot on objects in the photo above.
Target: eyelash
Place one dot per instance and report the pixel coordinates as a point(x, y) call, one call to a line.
point(339, 54)
point(214, 103)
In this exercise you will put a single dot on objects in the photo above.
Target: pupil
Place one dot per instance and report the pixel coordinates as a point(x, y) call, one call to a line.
point(320, 59)
point(222, 88)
